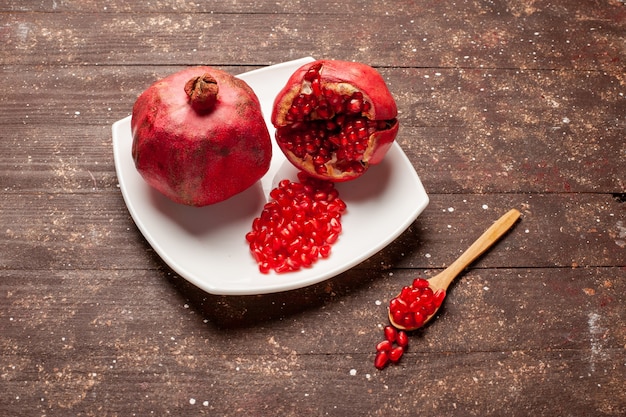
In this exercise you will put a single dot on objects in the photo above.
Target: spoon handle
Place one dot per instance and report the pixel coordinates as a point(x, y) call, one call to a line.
point(484, 242)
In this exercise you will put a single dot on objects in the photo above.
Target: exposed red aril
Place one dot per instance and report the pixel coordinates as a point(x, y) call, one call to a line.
point(396, 353)
point(402, 339)
point(199, 136)
point(391, 348)
point(385, 345)
point(420, 283)
point(382, 359)
point(297, 226)
point(415, 303)
point(391, 333)
point(334, 119)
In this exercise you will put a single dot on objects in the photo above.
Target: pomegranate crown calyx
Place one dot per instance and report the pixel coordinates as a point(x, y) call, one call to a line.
point(202, 92)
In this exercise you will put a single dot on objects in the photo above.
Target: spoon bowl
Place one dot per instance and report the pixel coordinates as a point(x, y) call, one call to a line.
point(415, 306)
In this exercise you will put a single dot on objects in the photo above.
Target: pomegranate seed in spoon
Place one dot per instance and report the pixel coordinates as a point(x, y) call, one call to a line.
point(418, 303)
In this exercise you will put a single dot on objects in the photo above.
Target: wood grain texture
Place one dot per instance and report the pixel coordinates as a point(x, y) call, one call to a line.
point(477, 131)
point(514, 34)
point(503, 104)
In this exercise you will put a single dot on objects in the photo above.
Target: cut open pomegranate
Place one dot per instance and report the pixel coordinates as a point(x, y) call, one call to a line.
point(298, 226)
point(334, 119)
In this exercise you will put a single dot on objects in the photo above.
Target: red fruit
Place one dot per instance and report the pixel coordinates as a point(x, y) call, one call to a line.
point(420, 283)
point(384, 346)
point(334, 119)
point(402, 339)
point(199, 136)
point(396, 353)
point(390, 333)
point(391, 348)
point(298, 226)
point(381, 360)
point(415, 304)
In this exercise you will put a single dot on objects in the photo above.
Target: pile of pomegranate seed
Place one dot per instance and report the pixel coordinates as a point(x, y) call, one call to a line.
point(415, 304)
point(392, 348)
point(297, 226)
point(326, 124)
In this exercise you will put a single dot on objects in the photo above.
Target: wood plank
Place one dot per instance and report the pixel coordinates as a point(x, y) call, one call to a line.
point(431, 34)
point(92, 345)
point(67, 231)
point(36, 158)
point(480, 383)
point(555, 230)
point(320, 7)
point(503, 104)
point(106, 308)
point(459, 137)
point(81, 161)
point(587, 8)
point(487, 98)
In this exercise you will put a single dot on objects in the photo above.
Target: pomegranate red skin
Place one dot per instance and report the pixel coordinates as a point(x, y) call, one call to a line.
point(196, 156)
point(346, 77)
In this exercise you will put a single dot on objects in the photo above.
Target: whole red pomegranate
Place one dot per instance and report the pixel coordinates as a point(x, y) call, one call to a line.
point(334, 119)
point(199, 136)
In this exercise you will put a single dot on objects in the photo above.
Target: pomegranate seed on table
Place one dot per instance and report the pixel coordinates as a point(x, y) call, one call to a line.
point(391, 348)
point(385, 345)
point(396, 353)
point(402, 339)
point(390, 333)
point(382, 359)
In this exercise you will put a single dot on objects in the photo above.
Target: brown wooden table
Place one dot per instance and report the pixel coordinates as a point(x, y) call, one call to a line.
point(504, 104)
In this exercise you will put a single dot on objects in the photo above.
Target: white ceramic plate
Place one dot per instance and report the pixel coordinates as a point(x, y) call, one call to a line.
point(207, 246)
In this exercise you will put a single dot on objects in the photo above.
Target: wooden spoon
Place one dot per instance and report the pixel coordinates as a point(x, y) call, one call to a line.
point(441, 281)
